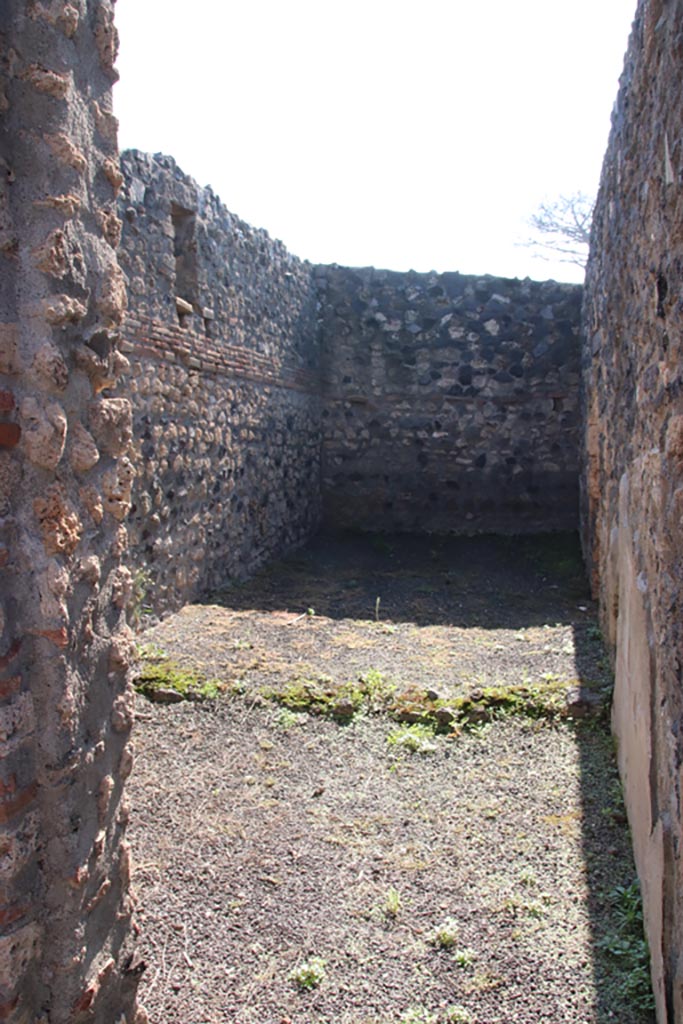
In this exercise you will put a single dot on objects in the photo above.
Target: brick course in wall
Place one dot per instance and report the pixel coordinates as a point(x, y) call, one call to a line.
point(225, 386)
point(154, 454)
point(436, 402)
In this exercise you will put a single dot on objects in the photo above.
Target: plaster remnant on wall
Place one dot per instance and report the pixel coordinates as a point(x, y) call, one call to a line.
point(91, 500)
point(111, 226)
point(123, 712)
point(112, 173)
point(117, 485)
point(67, 204)
point(56, 12)
point(112, 299)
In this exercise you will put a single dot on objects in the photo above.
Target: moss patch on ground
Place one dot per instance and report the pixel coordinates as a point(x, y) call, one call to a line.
point(374, 693)
point(163, 680)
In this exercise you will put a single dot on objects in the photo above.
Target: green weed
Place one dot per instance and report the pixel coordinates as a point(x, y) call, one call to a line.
point(392, 903)
point(464, 957)
point(417, 738)
point(320, 695)
point(418, 1015)
point(289, 719)
point(139, 608)
point(309, 974)
point(458, 1015)
point(626, 944)
point(375, 693)
point(445, 936)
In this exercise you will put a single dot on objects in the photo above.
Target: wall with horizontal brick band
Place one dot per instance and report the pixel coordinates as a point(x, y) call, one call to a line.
point(222, 337)
point(270, 395)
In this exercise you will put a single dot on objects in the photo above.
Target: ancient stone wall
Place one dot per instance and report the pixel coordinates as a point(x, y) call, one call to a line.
point(633, 463)
point(221, 334)
point(65, 477)
point(451, 402)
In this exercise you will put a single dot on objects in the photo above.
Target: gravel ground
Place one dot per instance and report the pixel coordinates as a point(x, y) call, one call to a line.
point(468, 880)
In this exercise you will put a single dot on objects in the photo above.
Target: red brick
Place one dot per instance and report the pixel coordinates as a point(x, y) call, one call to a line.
point(85, 1001)
point(10, 914)
point(7, 1009)
point(59, 637)
point(16, 803)
point(11, 654)
point(4, 557)
point(9, 434)
point(8, 687)
point(6, 400)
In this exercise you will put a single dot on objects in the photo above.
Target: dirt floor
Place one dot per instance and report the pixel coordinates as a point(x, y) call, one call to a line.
point(400, 808)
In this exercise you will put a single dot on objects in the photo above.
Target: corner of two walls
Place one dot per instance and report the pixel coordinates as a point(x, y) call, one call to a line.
point(238, 354)
point(632, 480)
point(451, 402)
point(270, 394)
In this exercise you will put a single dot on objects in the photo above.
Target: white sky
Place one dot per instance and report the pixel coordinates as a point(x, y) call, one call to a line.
point(399, 134)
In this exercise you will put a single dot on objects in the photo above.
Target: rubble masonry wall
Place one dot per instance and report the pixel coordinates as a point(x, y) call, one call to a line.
point(632, 505)
point(451, 402)
point(66, 703)
point(222, 337)
point(270, 395)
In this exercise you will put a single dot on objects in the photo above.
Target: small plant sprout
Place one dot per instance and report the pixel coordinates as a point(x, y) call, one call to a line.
point(458, 1015)
point(287, 719)
point(309, 974)
point(392, 903)
point(242, 645)
point(527, 878)
point(418, 1015)
point(139, 609)
point(464, 957)
point(446, 935)
point(417, 738)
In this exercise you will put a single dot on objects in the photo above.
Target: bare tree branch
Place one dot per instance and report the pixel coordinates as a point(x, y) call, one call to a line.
point(563, 228)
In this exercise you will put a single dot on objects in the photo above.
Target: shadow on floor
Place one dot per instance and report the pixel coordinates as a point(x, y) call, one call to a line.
point(489, 586)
